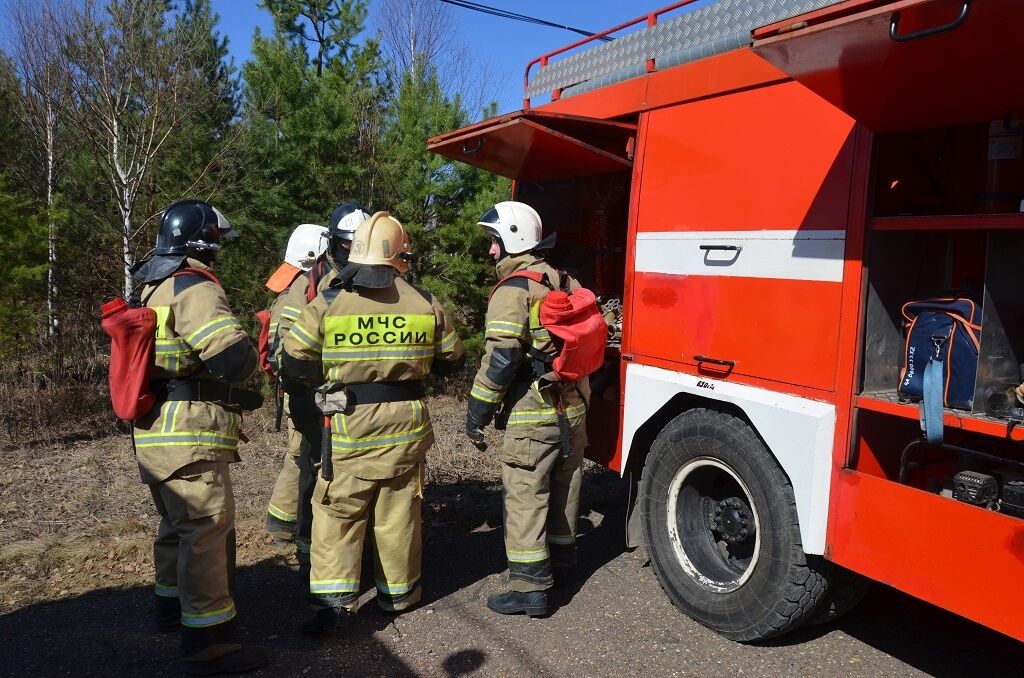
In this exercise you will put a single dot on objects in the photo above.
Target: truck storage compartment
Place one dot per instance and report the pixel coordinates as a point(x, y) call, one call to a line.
point(577, 173)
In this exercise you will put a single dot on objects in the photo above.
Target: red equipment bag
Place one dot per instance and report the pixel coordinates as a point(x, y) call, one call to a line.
point(263, 345)
point(132, 333)
point(575, 322)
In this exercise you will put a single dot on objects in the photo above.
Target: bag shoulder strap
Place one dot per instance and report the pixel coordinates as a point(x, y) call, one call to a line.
point(188, 270)
point(535, 276)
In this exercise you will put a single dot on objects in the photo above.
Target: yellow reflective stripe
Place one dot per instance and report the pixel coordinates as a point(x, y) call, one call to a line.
point(186, 438)
point(170, 414)
point(342, 442)
point(304, 337)
point(171, 346)
point(333, 585)
point(377, 353)
point(211, 329)
point(291, 312)
point(545, 416)
point(397, 587)
point(448, 343)
point(534, 556)
point(193, 620)
point(505, 327)
point(481, 392)
point(281, 514)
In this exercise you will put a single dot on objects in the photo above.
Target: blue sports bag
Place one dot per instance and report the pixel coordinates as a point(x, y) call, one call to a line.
point(941, 360)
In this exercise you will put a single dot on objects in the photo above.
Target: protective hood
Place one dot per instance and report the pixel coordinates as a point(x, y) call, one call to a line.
point(156, 267)
point(372, 276)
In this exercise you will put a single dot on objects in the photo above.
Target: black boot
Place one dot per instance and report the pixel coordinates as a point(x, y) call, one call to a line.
point(325, 621)
point(216, 649)
point(167, 614)
point(532, 603)
point(282, 531)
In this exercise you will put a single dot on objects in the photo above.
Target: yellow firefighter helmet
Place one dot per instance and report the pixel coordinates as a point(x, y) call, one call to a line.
point(381, 241)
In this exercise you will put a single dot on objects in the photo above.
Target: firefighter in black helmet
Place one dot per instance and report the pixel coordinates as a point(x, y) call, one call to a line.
point(186, 442)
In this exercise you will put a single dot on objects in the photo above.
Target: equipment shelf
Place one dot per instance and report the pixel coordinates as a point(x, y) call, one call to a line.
point(958, 222)
point(887, 402)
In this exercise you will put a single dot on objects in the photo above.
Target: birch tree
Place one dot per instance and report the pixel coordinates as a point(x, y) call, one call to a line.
point(132, 79)
point(40, 29)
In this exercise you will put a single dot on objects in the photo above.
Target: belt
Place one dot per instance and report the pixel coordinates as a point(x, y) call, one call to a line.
point(384, 392)
point(206, 390)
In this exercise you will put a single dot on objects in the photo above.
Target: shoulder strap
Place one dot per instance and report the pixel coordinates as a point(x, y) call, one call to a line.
point(535, 276)
point(316, 274)
point(197, 271)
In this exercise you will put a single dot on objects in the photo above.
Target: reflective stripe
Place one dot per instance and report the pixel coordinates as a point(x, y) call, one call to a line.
point(382, 353)
point(398, 587)
point(448, 343)
point(211, 329)
point(534, 556)
point(291, 312)
point(165, 590)
point(545, 416)
point(304, 337)
point(505, 327)
point(334, 586)
point(186, 438)
point(341, 441)
point(281, 514)
point(561, 539)
point(481, 392)
point(171, 346)
point(170, 415)
point(198, 621)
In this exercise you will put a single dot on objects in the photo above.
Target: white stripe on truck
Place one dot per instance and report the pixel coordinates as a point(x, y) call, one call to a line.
point(788, 255)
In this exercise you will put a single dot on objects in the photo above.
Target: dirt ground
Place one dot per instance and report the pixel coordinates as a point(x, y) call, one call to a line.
point(76, 586)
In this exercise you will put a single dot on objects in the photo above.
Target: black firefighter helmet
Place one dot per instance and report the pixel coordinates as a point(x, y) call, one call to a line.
point(341, 228)
point(187, 228)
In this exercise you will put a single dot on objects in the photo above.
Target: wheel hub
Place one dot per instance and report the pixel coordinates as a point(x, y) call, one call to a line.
point(731, 519)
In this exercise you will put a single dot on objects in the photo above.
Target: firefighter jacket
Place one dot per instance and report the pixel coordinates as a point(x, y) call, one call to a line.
point(507, 376)
point(365, 336)
point(285, 311)
point(197, 337)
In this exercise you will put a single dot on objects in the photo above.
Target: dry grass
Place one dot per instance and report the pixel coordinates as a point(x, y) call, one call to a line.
point(74, 517)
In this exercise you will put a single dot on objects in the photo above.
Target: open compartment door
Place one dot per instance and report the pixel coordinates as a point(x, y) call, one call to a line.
point(535, 146)
point(907, 65)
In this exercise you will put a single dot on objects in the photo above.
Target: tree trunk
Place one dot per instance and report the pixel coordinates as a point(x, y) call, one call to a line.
point(51, 246)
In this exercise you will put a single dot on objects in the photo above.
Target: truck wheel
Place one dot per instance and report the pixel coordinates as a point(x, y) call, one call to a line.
point(721, 528)
point(845, 590)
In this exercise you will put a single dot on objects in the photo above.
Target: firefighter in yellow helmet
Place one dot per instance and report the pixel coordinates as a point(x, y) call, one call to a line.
point(297, 281)
point(540, 472)
point(186, 442)
point(369, 339)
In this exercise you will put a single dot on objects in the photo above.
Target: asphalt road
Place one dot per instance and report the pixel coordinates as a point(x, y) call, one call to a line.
point(611, 620)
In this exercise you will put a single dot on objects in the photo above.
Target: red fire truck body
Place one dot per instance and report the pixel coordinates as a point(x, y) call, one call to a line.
point(764, 192)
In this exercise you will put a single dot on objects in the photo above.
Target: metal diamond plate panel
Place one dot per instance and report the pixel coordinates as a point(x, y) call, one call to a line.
point(681, 34)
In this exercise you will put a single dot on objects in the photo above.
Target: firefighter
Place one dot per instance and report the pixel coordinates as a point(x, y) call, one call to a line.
point(541, 478)
point(305, 250)
point(373, 338)
point(287, 516)
point(186, 442)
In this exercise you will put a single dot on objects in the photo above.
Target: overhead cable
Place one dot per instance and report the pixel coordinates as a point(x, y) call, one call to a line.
point(506, 14)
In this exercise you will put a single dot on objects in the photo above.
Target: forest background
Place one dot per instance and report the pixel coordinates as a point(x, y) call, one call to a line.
point(109, 111)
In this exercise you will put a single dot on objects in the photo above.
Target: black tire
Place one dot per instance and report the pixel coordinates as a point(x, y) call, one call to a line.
point(746, 584)
point(845, 590)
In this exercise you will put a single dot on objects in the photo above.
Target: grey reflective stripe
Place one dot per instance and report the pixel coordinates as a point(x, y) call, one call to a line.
point(201, 439)
point(169, 346)
point(395, 589)
point(166, 590)
point(334, 586)
point(198, 621)
point(209, 331)
point(342, 442)
point(172, 409)
point(379, 354)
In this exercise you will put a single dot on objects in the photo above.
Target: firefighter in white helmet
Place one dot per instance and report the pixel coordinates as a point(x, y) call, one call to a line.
point(540, 474)
point(368, 340)
point(302, 268)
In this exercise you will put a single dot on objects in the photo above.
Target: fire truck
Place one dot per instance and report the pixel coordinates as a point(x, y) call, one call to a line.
point(764, 185)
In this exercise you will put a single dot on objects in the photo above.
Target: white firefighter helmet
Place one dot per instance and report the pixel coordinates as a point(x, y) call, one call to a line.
point(306, 244)
point(381, 240)
point(515, 224)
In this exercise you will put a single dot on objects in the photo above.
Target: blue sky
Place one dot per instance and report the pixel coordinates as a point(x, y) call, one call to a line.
point(507, 46)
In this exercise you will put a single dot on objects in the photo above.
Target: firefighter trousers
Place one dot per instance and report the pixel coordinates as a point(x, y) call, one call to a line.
point(289, 514)
point(541, 493)
point(343, 510)
point(194, 551)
